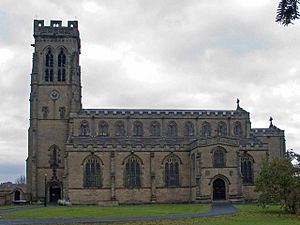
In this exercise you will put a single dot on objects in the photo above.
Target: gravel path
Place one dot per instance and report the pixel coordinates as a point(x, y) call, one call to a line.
point(216, 209)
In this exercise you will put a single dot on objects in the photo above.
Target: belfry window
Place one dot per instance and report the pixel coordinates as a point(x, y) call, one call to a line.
point(103, 129)
point(120, 128)
point(172, 129)
point(132, 172)
point(189, 129)
point(222, 129)
point(84, 128)
point(205, 131)
point(247, 169)
point(48, 76)
point(172, 171)
point(92, 173)
point(61, 66)
point(155, 129)
point(237, 129)
point(137, 129)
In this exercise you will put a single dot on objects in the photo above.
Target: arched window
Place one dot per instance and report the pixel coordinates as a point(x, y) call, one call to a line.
point(61, 66)
point(92, 173)
point(205, 131)
point(219, 157)
point(120, 128)
point(84, 128)
point(172, 129)
point(222, 129)
point(49, 66)
point(247, 169)
point(103, 129)
point(155, 129)
point(172, 171)
point(189, 129)
point(237, 129)
point(137, 129)
point(132, 172)
point(54, 156)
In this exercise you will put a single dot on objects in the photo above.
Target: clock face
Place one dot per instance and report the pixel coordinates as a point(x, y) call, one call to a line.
point(54, 95)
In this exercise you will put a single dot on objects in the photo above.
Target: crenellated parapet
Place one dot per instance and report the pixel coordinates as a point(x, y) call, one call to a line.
point(56, 29)
point(160, 113)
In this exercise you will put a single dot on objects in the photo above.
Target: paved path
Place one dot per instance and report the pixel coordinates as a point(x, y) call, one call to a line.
point(217, 209)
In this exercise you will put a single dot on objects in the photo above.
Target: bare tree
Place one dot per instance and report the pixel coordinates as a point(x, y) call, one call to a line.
point(287, 11)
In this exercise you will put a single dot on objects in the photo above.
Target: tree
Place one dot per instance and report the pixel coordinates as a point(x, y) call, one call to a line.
point(287, 12)
point(279, 182)
point(21, 180)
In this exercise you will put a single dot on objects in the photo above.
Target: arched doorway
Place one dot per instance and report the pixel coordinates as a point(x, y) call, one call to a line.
point(219, 189)
point(54, 193)
point(17, 195)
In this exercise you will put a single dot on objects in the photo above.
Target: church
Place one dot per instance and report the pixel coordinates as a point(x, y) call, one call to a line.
point(111, 156)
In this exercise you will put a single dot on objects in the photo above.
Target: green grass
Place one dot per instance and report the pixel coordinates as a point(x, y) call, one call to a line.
point(98, 211)
point(9, 206)
point(250, 214)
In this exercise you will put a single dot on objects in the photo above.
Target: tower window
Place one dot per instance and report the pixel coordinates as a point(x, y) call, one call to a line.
point(222, 129)
point(219, 157)
point(61, 64)
point(103, 129)
point(138, 129)
point(49, 67)
point(172, 129)
point(120, 129)
point(205, 129)
point(84, 129)
point(189, 129)
point(237, 129)
point(155, 129)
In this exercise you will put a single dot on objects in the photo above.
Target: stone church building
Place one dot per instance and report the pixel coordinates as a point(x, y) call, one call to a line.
point(94, 156)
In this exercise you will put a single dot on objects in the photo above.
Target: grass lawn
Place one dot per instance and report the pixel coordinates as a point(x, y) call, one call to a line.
point(99, 211)
point(250, 214)
point(9, 206)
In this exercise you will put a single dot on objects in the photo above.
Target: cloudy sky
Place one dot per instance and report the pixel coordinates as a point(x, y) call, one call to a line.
point(157, 54)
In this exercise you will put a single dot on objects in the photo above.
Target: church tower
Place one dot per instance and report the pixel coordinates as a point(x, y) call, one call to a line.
point(55, 93)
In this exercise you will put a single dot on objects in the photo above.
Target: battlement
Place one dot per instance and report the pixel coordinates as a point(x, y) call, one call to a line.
point(56, 28)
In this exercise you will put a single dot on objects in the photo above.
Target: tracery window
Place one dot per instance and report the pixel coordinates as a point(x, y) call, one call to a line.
point(172, 129)
point(49, 66)
point(222, 129)
point(219, 157)
point(247, 169)
point(137, 129)
point(92, 173)
point(172, 171)
point(54, 156)
point(132, 172)
point(205, 131)
point(84, 128)
point(103, 129)
point(120, 128)
point(237, 129)
point(61, 66)
point(155, 129)
point(189, 129)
